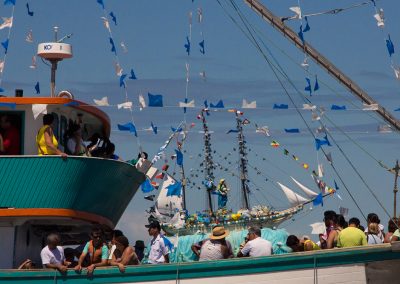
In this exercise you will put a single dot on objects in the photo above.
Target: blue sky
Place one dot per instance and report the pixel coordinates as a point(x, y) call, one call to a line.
point(154, 33)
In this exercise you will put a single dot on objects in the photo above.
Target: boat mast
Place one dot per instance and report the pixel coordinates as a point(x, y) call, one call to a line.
point(395, 190)
point(243, 161)
point(278, 24)
point(208, 161)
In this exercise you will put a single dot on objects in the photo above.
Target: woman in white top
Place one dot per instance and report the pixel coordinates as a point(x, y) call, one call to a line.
point(75, 144)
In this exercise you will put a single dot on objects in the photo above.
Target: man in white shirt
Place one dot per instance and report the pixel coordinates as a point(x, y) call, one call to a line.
point(159, 252)
point(53, 255)
point(255, 246)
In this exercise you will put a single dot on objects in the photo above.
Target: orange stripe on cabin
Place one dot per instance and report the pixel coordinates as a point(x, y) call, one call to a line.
point(52, 212)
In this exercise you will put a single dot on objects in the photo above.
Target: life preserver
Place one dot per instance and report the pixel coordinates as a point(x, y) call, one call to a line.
point(66, 94)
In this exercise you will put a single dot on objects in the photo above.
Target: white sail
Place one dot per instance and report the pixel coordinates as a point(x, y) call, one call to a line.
point(306, 190)
point(294, 198)
point(168, 206)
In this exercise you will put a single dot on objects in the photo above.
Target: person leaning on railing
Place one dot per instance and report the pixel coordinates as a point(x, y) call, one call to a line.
point(46, 141)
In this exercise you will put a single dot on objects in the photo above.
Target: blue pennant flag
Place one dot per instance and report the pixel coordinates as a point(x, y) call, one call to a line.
point(73, 103)
point(220, 104)
point(154, 128)
point(9, 2)
point(320, 142)
point(185, 108)
point(232, 131)
point(316, 86)
point(397, 109)
point(133, 76)
point(307, 28)
point(1, 90)
point(318, 200)
point(146, 186)
point(336, 186)
point(176, 129)
point(390, 46)
point(5, 45)
point(168, 243)
point(122, 80)
point(101, 3)
point(336, 107)
point(113, 17)
point(174, 189)
point(308, 87)
point(205, 104)
point(300, 33)
point(155, 100)
point(187, 45)
point(201, 44)
point(113, 46)
point(30, 13)
point(179, 158)
point(280, 106)
point(10, 105)
point(37, 88)
point(292, 130)
point(128, 127)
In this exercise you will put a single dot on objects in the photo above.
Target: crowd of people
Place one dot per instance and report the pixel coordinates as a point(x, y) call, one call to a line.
point(117, 252)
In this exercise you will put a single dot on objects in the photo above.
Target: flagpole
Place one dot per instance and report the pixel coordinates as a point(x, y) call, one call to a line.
point(395, 190)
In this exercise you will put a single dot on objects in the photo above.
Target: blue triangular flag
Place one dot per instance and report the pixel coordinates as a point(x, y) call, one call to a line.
point(113, 18)
point(300, 33)
point(37, 88)
point(220, 104)
point(1, 90)
point(176, 129)
point(133, 76)
point(336, 186)
point(318, 200)
point(5, 45)
point(30, 13)
point(122, 80)
point(308, 87)
point(174, 189)
point(179, 157)
point(205, 104)
point(280, 106)
point(307, 28)
point(336, 107)
point(113, 46)
point(187, 45)
point(390, 46)
point(397, 109)
point(316, 86)
point(201, 44)
point(128, 127)
point(9, 2)
point(146, 186)
point(10, 105)
point(232, 131)
point(101, 3)
point(155, 100)
point(154, 128)
point(320, 142)
point(292, 130)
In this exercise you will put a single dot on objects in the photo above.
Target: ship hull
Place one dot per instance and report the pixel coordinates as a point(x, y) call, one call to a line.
point(91, 189)
point(372, 264)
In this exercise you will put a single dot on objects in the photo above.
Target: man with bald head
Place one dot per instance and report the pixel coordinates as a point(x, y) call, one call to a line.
point(53, 255)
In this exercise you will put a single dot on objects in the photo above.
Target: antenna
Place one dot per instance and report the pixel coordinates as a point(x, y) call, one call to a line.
point(55, 52)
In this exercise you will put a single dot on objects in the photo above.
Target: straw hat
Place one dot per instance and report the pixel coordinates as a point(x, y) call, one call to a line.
point(219, 233)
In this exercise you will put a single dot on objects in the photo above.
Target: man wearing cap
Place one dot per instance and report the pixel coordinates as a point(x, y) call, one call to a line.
point(216, 247)
point(159, 252)
point(255, 246)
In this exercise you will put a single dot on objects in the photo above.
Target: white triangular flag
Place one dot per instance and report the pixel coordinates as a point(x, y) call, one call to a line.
point(309, 107)
point(106, 23)
point(320, 170)
point(1, 66)
point(380, 18)
point(263, 129)
point(118, 69)
point(384, 129)
point(38, 109)
point(7, 23)
point(102, 102)
point(318, 228)
point(33, 65)
point(315, 116)
point(199, 15)
point(370, 107)
point(297, 12)
point(124, 48)
point(396, 72)
point(126, 105)
point(189, 104)
point(29, 36)
point(246, 104)
point(203, 75)
point(142, 102)
point(305, 64)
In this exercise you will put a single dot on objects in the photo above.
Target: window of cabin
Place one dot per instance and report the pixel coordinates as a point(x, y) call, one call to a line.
point(56, 126)
point(63, 129)
point(12, 132)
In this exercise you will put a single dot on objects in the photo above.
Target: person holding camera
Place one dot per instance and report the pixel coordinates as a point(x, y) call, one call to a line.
point(254, 245)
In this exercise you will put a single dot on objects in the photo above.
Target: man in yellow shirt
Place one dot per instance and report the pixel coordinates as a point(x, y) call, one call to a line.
point(352, 236)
